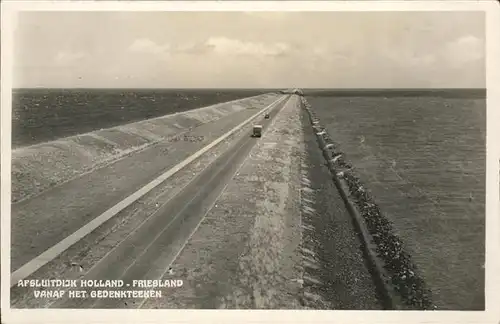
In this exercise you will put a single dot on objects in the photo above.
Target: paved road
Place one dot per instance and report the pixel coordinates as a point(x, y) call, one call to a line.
point(94, 193)
point(43, 221)
point(237, 225)
point(148, 251)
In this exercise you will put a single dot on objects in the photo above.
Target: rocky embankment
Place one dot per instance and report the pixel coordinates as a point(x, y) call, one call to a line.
point(394, 271)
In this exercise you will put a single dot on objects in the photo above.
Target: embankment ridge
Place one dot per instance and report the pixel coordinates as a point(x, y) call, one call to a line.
point(40, 167)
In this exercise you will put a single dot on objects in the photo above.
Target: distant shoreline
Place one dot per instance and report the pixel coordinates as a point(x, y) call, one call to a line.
point(479, 93)
point(41, 115)
point(145, 89)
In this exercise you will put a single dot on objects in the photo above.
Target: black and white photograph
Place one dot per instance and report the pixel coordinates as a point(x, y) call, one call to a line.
point(249, 160)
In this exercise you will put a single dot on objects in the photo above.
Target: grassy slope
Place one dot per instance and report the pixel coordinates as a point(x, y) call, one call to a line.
point(423, 158)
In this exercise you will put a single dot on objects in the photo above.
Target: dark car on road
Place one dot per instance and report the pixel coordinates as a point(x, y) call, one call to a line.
point(257, 131)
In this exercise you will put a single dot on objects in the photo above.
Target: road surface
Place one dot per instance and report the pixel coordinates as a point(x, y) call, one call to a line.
point(84, 198)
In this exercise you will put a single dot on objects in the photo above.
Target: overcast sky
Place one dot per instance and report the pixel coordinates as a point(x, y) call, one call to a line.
point(237, 49)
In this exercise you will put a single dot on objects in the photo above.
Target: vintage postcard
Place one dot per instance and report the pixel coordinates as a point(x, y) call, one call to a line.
point(288, 161)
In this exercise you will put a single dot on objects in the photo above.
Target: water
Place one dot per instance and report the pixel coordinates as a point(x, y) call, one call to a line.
point(41, 115)
point(423, 157)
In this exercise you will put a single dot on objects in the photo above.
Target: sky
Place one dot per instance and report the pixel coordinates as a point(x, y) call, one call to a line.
point(249, 50)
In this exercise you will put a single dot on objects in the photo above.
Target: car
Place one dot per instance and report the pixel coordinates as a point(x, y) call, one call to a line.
point(257, 131)
point(266, 116)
